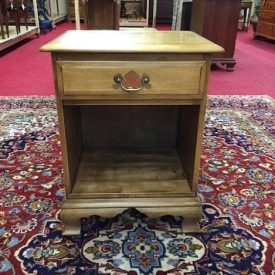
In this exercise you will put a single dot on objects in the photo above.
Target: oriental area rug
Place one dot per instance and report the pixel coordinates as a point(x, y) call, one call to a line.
point(236, 186)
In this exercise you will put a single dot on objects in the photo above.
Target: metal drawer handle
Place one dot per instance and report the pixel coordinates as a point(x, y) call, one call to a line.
point(131, 82)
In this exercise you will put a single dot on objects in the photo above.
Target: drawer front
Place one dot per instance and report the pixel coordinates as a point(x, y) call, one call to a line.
point(264, 28)
point(165, 78)
point(267, 16)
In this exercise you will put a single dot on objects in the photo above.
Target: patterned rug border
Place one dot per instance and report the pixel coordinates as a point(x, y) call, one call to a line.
point(26, 102)
point(223, 98)
point(51, 97)
point(42, 102)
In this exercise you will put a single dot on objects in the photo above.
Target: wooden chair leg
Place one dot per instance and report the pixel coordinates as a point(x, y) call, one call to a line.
point(26, 18)
point(2, 20)
point(16, 20)
point(17, 14)
point(24, 14)
point(2, 27)
point(7, 26)
point(14, 15)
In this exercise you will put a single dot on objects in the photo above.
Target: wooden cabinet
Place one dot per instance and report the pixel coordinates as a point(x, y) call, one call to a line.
point(217, 20)
point(131, 117)
point(266, 21)
point(135, 13)
point(101, 14)
point(71, 10)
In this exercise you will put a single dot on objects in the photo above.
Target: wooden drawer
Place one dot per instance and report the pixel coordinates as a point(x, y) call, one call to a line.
point(264, 28)
point(267, 16)
point(90, 78)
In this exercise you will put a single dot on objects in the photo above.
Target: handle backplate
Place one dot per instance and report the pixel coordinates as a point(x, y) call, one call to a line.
point(132, 82)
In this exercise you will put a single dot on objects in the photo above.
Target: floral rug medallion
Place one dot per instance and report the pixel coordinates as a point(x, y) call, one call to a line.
point(136, 244)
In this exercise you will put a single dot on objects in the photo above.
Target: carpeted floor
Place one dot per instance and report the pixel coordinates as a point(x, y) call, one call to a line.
point(236, 185)
point(252, 76)
point(26, 71)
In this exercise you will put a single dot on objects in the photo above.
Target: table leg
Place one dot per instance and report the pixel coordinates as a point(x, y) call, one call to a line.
point(77, 16)
point(2, 26)
point(248, 17)
point(155, 3)
point(244, 18)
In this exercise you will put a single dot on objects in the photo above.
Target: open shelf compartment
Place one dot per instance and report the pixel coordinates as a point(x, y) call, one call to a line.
point(129, 151)
point(130, 173)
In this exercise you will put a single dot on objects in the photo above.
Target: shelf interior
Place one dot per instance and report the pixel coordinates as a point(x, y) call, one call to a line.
point(131, 151)
point(139, 172)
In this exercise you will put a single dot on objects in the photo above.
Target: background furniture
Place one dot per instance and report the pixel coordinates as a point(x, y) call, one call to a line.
point(266, 20)
point(57, 10)
point(2, 25)
point(186, 15)
point(247, 10)
point(12, 8)
point(12, 17)
point(217, 20)
point(164, 11)
point(71, 10)
point(130, 20)
point(131, 108)
point(4, 19)
point(101, 14)
point(182, 10)
point(137, 13)
point(22, 12)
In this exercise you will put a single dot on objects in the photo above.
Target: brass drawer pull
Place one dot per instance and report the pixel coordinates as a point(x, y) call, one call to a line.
point(131, 82)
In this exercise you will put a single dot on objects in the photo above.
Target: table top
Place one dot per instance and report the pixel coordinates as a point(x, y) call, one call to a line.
point(131, 41)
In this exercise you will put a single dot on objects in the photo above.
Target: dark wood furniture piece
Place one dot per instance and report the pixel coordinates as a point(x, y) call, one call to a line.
point(17, 22)
point(23, 12)
point(12, 8)
point(17, 10)
point(4, 18)
point(131, 108)
point(266, 21)
point(101, 14)
point(2, 25)
point(217, 20)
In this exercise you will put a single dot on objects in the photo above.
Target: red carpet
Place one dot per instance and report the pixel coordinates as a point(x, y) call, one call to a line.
point(254, 71)
point(26, 71)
